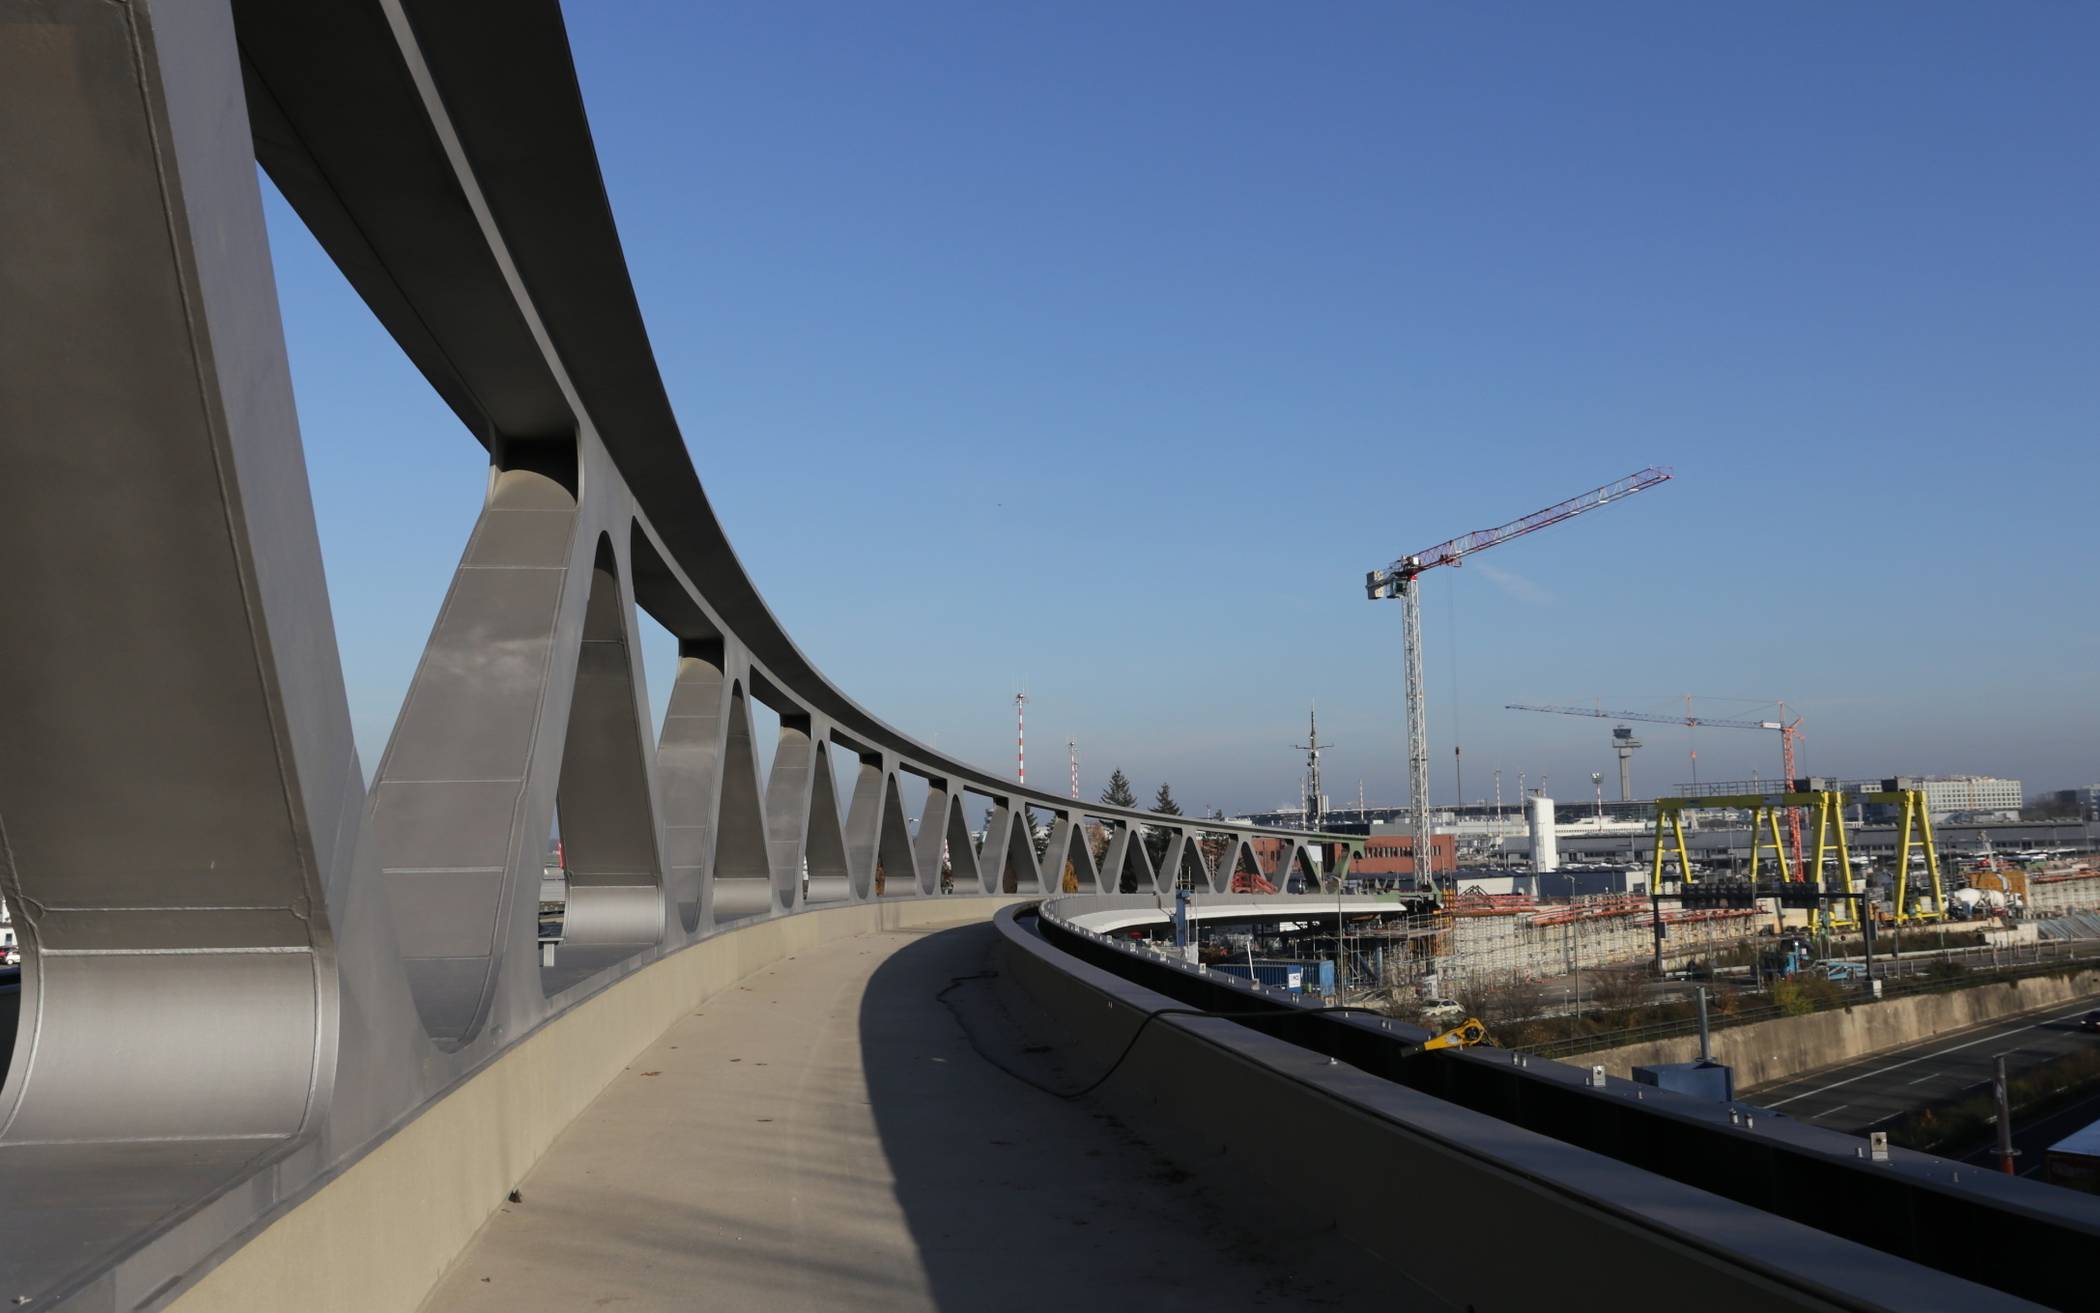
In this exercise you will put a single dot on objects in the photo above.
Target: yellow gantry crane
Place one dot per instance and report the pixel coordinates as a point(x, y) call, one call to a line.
point(1831, 869)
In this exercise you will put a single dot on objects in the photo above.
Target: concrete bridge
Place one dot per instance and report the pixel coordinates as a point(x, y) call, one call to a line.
point(287, 1041)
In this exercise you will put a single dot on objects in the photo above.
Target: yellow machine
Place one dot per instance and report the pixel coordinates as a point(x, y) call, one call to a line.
point(1915, 838)
point(1766, 845)
point(1914, 835)
point(1464, 1035)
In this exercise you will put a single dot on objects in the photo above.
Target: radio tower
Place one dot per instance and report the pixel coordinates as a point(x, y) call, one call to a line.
point(1315, 810)
point(1020, 737)
point(1072, 752)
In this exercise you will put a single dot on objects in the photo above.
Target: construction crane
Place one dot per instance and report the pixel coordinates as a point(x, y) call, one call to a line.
point(1788, 731)
point(1399, 580)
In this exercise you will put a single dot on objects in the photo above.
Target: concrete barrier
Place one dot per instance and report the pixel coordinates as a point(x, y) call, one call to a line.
point(377, 1235)
point(1320, 1146)
point(1767, 1051)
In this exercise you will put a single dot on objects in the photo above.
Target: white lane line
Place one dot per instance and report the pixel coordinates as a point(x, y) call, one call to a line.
point(1922, 1079)
point(1829, 1112)
point(1954, 1048)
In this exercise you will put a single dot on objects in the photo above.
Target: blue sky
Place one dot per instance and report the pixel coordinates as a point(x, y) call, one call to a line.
point(1106, 346)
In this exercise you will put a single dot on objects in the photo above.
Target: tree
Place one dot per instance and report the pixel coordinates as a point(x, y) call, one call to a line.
point(1118, 793)
point(1157, 837)
point(1616, 989)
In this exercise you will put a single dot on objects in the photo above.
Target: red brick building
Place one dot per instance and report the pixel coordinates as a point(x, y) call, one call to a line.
point(1387, 855)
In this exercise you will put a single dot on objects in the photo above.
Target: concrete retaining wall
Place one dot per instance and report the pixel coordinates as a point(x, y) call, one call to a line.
point(377, 1236)
point(1766, 1051)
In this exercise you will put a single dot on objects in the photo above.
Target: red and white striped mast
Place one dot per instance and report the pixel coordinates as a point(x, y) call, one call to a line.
point(1072, 751)
point(1020, 737)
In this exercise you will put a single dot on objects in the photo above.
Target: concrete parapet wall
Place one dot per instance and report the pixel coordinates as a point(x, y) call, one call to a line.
point(1766, 1051)
point(377, 1236)
point(1384, 1165)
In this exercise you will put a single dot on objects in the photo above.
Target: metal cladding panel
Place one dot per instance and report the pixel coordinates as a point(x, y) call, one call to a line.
point(448, 913)
point(445, 825)
point(471, 712)
point(247, 1019)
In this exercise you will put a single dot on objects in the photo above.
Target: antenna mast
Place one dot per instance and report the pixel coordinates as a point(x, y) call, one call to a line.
point(1020, 736)
point(1315, 809)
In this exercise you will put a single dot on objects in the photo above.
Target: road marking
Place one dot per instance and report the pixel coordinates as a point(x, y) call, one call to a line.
point(1954, 1048)
point(1829, 1112)
point(1922, 1079)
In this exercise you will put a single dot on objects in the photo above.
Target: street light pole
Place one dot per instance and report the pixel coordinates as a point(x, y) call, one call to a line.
point(2003, 1097)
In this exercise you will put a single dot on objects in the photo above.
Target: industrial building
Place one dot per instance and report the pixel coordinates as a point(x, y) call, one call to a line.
point(1978, 796)
point(1390, 852)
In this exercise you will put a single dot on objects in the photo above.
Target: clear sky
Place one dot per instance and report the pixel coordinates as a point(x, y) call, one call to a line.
point(1106, 346)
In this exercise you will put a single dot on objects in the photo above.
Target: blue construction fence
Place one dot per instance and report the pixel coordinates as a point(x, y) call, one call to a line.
point(1314, 977)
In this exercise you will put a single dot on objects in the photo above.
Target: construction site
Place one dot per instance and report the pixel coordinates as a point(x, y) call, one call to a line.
point(1714, 871)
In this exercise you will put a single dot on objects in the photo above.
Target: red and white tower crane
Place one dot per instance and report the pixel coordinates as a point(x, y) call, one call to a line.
point(1398, 580)
point(1020, 737)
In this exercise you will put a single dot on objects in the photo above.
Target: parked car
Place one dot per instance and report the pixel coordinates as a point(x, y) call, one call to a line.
point(1442, 1009)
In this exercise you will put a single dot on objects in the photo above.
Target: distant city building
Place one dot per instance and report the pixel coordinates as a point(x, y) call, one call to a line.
point(1972, 796)
point(1389, 853)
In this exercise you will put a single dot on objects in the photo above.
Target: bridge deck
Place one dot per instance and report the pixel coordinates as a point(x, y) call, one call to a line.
point(823, 1136)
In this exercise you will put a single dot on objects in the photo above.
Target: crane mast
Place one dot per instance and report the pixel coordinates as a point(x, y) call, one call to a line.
point(1417, 732)
point(1402, 579)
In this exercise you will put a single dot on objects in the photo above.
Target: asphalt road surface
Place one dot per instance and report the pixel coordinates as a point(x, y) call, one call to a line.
point(1868, 1093)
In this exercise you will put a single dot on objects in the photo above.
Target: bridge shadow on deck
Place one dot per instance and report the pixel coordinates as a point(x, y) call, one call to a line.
point(1018, 1200)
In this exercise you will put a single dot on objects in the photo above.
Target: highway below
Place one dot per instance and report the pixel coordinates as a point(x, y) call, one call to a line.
point(1870, 1092)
